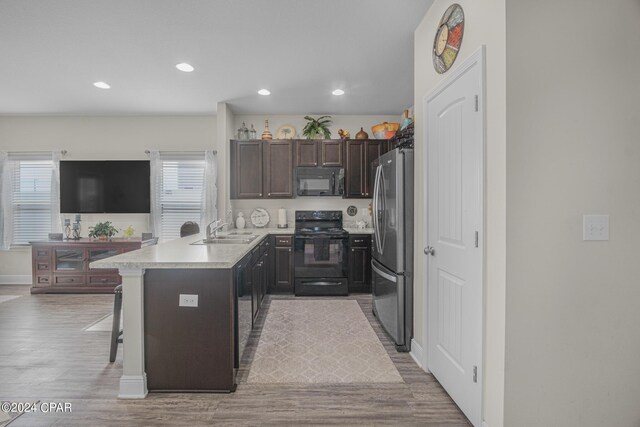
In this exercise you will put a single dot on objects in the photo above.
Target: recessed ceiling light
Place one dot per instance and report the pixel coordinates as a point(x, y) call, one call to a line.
point(102, 85)
point(183, 66)
point(338, 92)
point(264, 92)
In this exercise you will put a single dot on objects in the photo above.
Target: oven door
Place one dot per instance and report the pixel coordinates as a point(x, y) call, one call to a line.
point(320, 256)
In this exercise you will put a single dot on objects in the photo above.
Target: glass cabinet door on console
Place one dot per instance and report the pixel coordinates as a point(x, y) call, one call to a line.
point(102, 253)
point(69, 260)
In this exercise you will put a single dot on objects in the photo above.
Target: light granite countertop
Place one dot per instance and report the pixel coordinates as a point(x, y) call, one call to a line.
point(180, 253)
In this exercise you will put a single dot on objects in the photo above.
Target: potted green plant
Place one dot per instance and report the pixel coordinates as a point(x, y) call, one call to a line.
point(317, 128)
point(102, 231)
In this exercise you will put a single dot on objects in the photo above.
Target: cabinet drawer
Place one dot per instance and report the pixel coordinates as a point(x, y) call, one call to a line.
point(43, 266)
point(104, 279)
point(69, 280)
point(41, 252)
point(359, 241)
point(42, 281)
point(284, 240)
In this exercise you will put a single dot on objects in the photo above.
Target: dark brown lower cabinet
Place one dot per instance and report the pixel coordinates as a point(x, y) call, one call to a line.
point(283, 265)
point(189, 348)
point(360, 263)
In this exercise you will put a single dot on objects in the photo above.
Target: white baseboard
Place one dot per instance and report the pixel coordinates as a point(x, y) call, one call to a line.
point(133, 387)
point(9, 279)
point(417, 353)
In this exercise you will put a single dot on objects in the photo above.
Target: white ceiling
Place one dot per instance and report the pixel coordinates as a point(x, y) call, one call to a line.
point(52, 51)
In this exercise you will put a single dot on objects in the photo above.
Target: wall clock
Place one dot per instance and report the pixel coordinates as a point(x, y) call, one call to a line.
point(448, 38)
point(259, 218)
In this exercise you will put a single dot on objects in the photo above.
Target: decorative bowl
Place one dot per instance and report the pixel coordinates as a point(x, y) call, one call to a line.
point(385, 130)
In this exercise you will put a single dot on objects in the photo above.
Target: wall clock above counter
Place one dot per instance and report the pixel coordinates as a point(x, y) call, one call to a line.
point(448, 40)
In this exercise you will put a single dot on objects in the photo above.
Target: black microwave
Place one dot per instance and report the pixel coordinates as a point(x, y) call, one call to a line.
point(323, 181)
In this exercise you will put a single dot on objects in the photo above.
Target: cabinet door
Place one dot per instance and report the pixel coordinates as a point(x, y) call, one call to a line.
point(284, 270)
point(354, 169)
point(246, 170)
point(70, 260)
point(331, 153)
point(359, 270)
point(373, 150)
point(278, 169)
point(306, 153)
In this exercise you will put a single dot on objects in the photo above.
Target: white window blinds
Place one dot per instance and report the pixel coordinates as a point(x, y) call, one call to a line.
point(181, 191)
point(31, 198)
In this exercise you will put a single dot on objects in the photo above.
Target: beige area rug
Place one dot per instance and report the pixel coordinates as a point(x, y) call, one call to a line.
point(104, 324)
point(5, 298)
point(314, 341)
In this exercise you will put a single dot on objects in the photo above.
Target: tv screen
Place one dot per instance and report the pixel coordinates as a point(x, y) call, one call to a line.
point(104, 186)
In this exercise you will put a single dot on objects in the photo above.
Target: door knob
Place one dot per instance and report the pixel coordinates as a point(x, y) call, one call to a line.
point(429, 250)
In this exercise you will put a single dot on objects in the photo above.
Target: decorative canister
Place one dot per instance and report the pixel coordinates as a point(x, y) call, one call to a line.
point(253, 134)
point(266, 133)
point(240, 221)
point(362, 134)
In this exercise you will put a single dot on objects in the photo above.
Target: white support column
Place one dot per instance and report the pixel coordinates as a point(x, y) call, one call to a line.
point(133, 383)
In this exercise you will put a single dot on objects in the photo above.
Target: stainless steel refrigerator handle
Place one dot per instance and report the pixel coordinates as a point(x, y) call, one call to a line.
point(376, 190)
point(381, 273)
point(383, 199)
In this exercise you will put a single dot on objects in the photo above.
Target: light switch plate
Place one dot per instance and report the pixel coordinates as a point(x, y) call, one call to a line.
point(595, 227)
point(187, 300)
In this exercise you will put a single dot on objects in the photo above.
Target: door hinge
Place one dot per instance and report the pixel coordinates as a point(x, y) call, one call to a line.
point(477, 104)
point(475, 374)
point(477, 238)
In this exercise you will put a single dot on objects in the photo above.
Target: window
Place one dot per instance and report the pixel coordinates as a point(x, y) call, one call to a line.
point(183, 188)
point(30, 205)
point(181, 194)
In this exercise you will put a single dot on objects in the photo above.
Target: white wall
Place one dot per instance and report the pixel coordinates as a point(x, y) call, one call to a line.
point(102, 138)
point(484, 25)
point(573, 318)
point(352, 123)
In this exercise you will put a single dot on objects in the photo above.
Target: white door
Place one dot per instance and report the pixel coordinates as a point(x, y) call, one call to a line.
point(455, 139)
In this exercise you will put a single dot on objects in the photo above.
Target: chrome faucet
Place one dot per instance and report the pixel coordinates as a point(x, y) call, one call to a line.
point(214, 227)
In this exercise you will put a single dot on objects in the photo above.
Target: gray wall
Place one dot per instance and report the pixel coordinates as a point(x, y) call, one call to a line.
point(573, 148)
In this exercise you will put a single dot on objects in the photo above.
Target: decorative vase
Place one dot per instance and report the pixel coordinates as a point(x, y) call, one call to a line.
point(406, 121)
point(103, 238)
point(385, 130)
point(243, 132)
point(240, 221)
point(266, 133)
point(253, 134)
point(362, 134)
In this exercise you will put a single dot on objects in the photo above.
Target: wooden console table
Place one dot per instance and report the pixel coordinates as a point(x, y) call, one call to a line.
point(63, 266)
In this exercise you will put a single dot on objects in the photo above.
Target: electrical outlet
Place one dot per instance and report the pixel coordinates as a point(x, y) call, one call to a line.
point(187, 300)
point(595, 227)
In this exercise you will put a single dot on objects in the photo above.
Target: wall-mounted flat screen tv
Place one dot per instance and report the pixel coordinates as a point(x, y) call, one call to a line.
point(108, 186)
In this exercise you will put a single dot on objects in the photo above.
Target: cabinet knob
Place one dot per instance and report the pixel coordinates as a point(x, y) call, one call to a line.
point(260, 194)
point(268, 194)
point(289, 250)
point(353, 250)
point(315, 163)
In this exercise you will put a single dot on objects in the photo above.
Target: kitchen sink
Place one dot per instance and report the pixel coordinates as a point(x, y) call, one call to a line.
point(226, 240)
point(237, 236)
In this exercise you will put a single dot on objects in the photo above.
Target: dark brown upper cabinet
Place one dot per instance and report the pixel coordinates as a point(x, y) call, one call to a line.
point(313, 153)
point(278, 169)
point(246, 169)
point(262, 169)
point(359, 154)
point(306, 153)
point(331, 153)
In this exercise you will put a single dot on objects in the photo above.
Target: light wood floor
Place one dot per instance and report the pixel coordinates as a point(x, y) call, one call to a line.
point(46, 356)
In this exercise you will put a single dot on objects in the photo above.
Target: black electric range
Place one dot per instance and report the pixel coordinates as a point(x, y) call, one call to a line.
point(320, 253)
